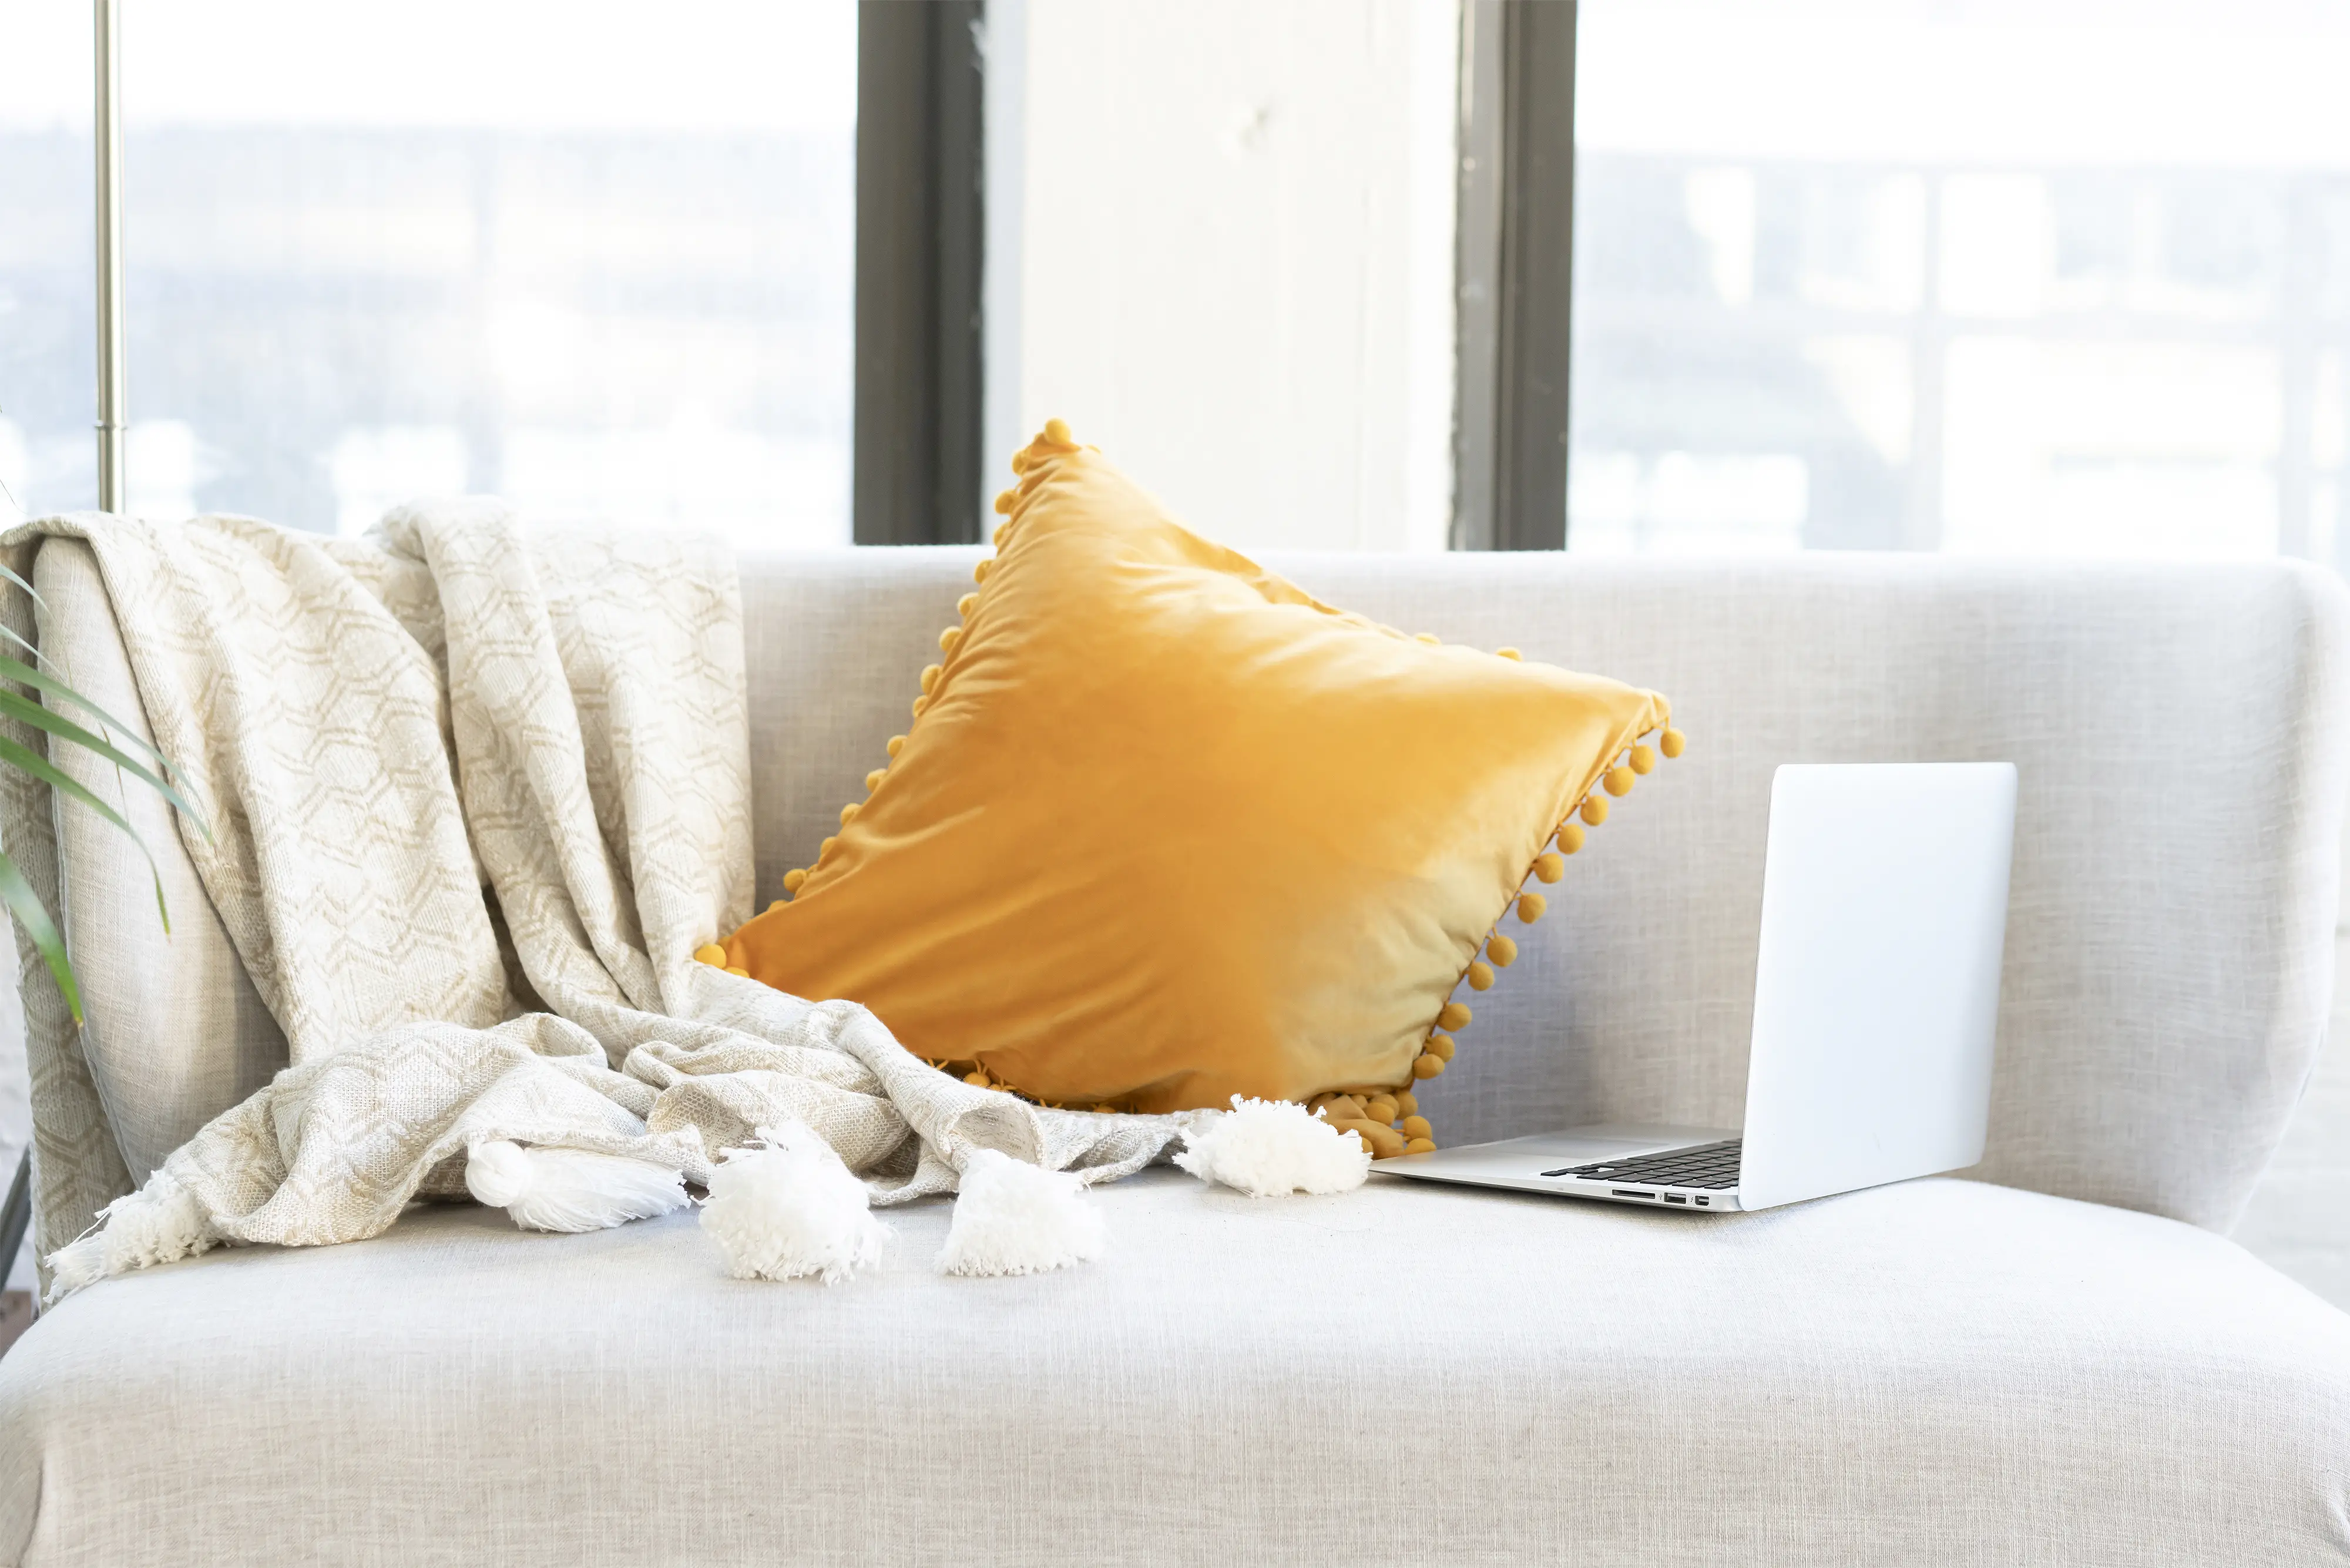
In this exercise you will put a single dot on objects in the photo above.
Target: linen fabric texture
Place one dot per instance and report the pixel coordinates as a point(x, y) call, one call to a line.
point(476, 798)
point(1166, 828)
point(1941, 1372)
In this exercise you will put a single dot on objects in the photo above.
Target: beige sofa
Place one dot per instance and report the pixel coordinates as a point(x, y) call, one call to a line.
point(2058, 1358)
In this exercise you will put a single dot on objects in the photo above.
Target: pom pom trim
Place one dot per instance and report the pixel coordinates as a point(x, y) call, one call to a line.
point(1497, 951)
point(1030, 465)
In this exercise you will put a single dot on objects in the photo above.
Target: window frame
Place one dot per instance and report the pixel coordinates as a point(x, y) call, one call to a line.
point(1514, 261)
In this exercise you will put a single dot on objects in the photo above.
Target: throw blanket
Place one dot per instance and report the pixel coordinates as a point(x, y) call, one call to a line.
point(477, 796)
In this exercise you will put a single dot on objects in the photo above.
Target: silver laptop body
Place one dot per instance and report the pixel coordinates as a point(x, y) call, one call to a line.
point(1876, 1001)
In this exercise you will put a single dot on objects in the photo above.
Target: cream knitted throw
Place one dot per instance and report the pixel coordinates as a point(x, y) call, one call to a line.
point(411, 747)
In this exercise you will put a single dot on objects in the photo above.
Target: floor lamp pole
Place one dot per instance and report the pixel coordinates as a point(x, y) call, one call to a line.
point(110, 358)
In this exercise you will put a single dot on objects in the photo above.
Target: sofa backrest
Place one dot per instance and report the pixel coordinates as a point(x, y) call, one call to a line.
point(2179, 732)
point(2183, 753)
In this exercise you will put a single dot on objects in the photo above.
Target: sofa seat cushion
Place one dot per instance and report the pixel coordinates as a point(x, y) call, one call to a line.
point(1941, 1372)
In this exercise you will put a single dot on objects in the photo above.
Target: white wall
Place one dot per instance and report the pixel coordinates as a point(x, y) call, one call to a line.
point(1233, 268)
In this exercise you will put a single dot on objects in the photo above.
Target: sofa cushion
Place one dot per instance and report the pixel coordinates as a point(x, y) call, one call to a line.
point(1164, 829)
point(1941, 1372)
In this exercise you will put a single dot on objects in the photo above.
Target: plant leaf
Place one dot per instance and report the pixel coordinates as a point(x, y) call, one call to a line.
point(17, 669)
point(25, 905)
point(24, 760)
point(9, 572)
point(43, 718)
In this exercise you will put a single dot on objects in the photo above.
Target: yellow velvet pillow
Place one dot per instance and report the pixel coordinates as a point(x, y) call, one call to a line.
point(1165, 829)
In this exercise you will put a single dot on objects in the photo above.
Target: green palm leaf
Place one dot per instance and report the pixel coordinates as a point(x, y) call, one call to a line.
point(16, 894)
point(25, 905)
point(17, 671)
point(41, 718)
point(12, 577)
point(24, 760)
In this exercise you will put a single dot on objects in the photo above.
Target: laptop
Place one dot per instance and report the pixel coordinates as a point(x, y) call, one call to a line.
point(1876, 1000)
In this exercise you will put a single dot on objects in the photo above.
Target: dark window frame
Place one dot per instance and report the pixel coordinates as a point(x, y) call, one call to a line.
point(1515, 259)
point(921, 250)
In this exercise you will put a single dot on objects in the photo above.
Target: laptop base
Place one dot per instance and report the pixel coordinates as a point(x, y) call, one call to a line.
point(1519, 1164)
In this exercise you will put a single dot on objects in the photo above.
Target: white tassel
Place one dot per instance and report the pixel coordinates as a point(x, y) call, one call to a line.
point(1268, 1148)
point(785, 1207)
point(569, 1189)
point(1012, 1218)
point(160, 1223)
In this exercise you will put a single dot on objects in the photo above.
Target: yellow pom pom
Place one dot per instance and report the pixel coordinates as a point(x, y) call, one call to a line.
point(1502, 951)
point(1594, 810)
point(794, 879)
point(1440, 1047)
point(1407, 1103)
point(1420, 1145)
point(1058, 433)
point(1618, 781)
point(1007, 500)
point(977, 1080)
point(1570, 837)
point(773, 905)
point(1456, 1015)
point(1531, 907)
point(931, 673)
point(1417, 1126)
point(743, 972)
point(711, 954)
point(1020, 460)
point(873, 780)
point(1671, 743)
point(1550, 868)
point(849, 814)
point(1427, 1066)
point(897, 744)
point(1428, 636)
point(921, 706)
point(1509, 653)
point(1644, 759)
point(979, 573)
point(1383, 1109)
point(963, 605)
point(1481, 976)
point(949, 638)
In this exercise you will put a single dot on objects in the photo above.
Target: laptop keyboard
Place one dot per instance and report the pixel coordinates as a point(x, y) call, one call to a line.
point(1711, 1166)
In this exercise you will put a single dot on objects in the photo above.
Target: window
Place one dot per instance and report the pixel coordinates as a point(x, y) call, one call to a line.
point(590, 256)
point(2065, 278)
point(48, 378)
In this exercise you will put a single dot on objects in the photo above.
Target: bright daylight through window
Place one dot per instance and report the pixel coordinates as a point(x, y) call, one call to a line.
point(591, 256)
point(2063, 278)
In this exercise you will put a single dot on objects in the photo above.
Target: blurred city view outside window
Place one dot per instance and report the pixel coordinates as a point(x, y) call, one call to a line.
point(2065, 277)
point(594, 258)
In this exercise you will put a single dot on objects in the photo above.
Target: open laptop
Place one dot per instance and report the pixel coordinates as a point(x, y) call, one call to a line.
point(1875, 999)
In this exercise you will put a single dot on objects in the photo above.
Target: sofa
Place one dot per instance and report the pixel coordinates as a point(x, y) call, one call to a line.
point(2055, 1357)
